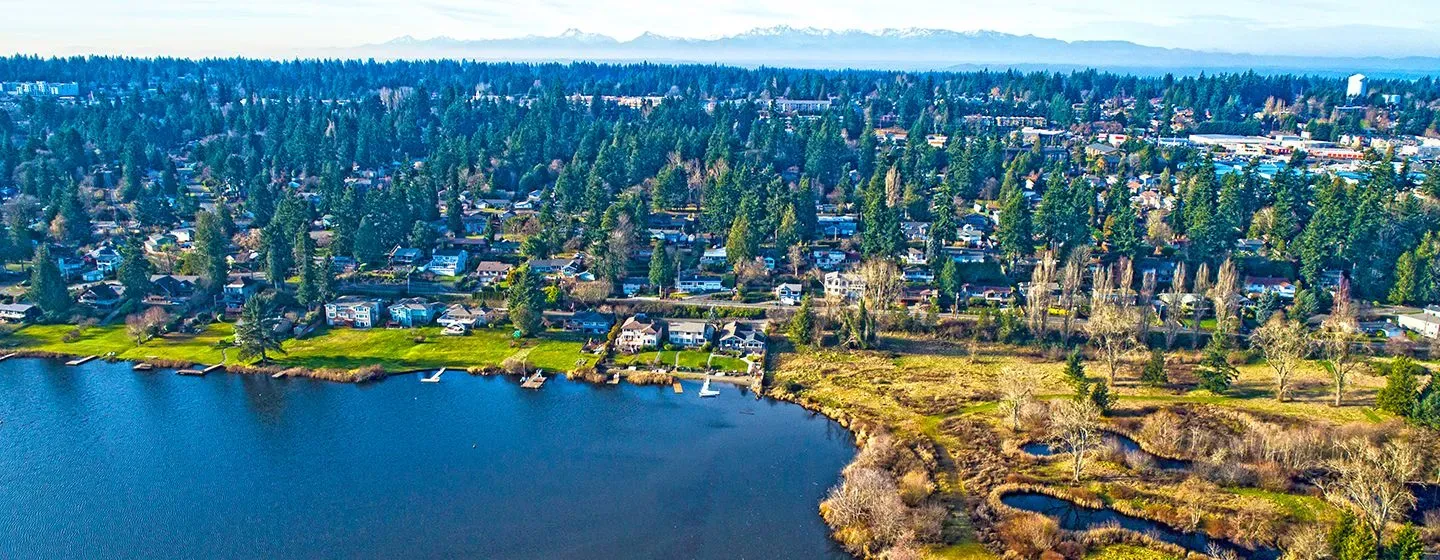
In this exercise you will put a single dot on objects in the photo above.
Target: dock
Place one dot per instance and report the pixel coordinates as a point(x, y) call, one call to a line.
point(534, 381)
point(142, 366)
point(8, 356)
point(79, 361)
point(195, 372)
point(614, 380)
point(433, 378)
point(278, 375)
point(677, 387)
point(212, 368)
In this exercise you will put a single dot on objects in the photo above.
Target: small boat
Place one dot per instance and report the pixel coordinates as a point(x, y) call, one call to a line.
point(614, 379)
point(706, 391)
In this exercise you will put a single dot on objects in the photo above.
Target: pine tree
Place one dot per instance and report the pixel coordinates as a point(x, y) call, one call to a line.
point(211, 243)
point(1401, 392)
point(47, 287)
point(802, 326)
point(134, 272)
point(1014, 231)
point(662, 268)
point(526, 302)
point(1406, 280)
point(1215, 372)
point(254, 337)
point(740, 245)
point(369, 247)
point(1100, 397)
point(1075, 372)
point(1153, 374)
point(308, 292)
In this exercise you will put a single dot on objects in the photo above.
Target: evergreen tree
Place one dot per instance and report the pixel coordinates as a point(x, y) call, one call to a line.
point(526, 301)
point(1153, 374)
point(1215, 372)
point(134, 272)
point(1014, 231)
point(253, 333)
point(47, 287)
point(1075, 372)
point(369, 247)
point(1405, 545)
point(1100, 396)
point(802, 326)
point(741, 244)
point(211, 244)
point(1402, 389)
point(662, 268)
point(308, 292)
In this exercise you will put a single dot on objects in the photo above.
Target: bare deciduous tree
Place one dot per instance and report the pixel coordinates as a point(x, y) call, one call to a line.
point(1070, 289)
point(883, 283)
point(1370, 479)
point(1076, 424)
point(1111, 324)
point(1037, 297)
point(1197, 313)
point(1285, 343)
point(1222, 298)
point(1017, 389)
point(1173, 320)
point(1337, 342)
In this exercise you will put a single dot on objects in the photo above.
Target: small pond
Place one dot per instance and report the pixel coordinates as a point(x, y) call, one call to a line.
point(1042, 449)
point(1075, 517)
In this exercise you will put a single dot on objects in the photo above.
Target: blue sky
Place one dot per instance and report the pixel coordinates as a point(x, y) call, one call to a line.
point(297, 27)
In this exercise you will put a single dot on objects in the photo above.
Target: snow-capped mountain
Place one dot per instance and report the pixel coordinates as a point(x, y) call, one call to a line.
point(908, 49)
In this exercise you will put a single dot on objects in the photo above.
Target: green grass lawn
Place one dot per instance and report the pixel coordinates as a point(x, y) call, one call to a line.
point(1127, 552)
point(392, 349)
point(690, 359)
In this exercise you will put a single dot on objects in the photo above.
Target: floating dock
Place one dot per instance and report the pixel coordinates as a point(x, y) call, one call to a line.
point(278, 375)
point(433, 378)
point(533, 382)
point(79, 361)
point(195, 372)
point(614, 380)
point(212, 368)
point(8, 356)
point(677, 387)
point(142, 366)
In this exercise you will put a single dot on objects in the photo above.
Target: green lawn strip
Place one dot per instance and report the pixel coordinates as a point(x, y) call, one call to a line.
point(1127, 552)
point(392, 349)
point(689, 359)
point(1302, 509)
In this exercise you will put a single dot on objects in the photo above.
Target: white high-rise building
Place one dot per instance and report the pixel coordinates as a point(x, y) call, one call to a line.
point(1357, 86)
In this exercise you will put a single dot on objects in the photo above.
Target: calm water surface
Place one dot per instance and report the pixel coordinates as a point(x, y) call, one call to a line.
point(98, 461)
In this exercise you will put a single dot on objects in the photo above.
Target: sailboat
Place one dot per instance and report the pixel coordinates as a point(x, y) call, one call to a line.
point(706, 391)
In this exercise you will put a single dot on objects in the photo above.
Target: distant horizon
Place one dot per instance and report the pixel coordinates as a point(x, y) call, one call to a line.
point(286, 29)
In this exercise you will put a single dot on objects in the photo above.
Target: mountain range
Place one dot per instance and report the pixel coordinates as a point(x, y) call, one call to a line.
point(894, 49)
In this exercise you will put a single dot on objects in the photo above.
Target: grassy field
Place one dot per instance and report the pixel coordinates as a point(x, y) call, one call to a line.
point(926, 388)
point(690, 359)
point(392, 349)
point(1127, 552)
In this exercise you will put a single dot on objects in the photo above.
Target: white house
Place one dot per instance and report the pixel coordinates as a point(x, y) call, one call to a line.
point(716, 256)
point(412, 312)
point(741, 337)
point(1425, 323)
point(696, 283)
point(353, 311)
point(827, 259)
point(466, 316)
point(844, 285)
point(789, 294)
point(1261, 285)
point(448, 262)
point(491, 272)
point(638, 333)
point(690, 334)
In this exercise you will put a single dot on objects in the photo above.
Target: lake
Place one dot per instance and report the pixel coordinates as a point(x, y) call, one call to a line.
point(98, 461)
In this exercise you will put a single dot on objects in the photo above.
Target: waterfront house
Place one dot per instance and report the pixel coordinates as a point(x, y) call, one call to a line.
point(741, 337)
point(448, 262)
point(690, 334)
point(18, 312)
point(102, 297)
point(238, 291)
point(170, 289)
point(789, 294)
point(588, 322)
point(467, 316)
point(413, 312)
point(638, 333)
point(353, 311)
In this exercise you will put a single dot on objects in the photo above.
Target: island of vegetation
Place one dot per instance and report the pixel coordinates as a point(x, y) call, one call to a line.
point(1066, 315)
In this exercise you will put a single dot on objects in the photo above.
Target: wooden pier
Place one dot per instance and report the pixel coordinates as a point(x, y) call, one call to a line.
point(79, 361)
point(142, 366)
point(195, 372)
point(278, 375)
point(614, 380)
point(433, 378)
point(212, 368)
point(535, 381)
point(677, 387)
point(8, 356)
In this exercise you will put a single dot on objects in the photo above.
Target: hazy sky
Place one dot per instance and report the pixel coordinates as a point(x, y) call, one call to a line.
point(291, 27)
